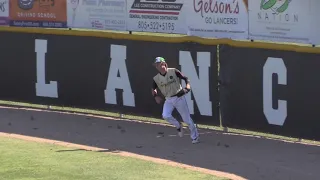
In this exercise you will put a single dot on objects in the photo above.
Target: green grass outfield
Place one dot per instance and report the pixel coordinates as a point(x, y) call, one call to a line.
point(25, 160)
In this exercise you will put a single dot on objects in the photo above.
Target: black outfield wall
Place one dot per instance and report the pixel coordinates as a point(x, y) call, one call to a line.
point(103, 73)
point(273, 91)
point(270, 91)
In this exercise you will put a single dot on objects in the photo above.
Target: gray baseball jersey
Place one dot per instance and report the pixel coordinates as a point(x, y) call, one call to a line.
point(169, 84)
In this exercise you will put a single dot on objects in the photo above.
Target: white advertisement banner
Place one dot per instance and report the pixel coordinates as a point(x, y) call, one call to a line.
point(4, 12)
point(282, 21)
point(164, 16)
point(315, 27)
point(97, 14)
point(218, 18)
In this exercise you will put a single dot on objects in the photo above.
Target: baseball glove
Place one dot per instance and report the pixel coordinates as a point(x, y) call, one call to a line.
point(183, 92)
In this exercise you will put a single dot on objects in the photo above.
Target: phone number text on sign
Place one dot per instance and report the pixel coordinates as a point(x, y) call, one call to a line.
point(155, 26)
point(154, 23)
point(161, 16)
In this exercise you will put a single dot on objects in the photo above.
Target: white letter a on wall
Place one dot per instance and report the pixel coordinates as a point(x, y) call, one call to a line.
point(118, 64)
point(43, 89)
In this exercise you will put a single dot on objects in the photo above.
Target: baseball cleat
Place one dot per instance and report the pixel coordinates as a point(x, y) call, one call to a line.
point(194, 141)
point(180, 132)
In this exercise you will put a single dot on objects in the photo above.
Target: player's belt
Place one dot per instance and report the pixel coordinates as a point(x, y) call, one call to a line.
point(179, 94)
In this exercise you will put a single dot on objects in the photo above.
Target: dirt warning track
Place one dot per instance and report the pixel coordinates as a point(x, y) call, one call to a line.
point(231, 156)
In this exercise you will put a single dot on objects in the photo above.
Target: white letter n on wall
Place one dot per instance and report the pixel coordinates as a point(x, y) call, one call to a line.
point(118, 63)
point(199, 84)
point(43, 89)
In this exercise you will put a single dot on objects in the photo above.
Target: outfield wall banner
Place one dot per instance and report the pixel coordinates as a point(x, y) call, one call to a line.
point(315, 28)
point(270, 91)
point(103, 15)
point(31, 13)
point(281, 21)
point(106, 74)
point(164, 16)
point(4, 12)
point(218, 19)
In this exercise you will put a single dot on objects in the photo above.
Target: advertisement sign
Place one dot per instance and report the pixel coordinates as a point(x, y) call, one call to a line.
point(165, 16)
point(4, 12)
point(219, 18)
point(315, 27)
point(97, 14)
point(283, 21)
point(38, 13)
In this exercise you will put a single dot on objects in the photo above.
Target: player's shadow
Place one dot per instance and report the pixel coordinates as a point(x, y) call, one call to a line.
point(248, 157)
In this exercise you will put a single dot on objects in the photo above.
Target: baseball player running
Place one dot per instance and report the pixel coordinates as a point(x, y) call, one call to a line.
point(168, 82)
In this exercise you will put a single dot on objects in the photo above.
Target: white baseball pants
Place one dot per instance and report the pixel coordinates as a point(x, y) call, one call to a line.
point(180, 103)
